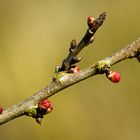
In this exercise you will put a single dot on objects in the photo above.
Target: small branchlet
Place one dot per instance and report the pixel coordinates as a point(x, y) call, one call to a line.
point(74, 50)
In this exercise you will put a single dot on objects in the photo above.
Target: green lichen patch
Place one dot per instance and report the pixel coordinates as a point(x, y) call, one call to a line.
point(32, 112)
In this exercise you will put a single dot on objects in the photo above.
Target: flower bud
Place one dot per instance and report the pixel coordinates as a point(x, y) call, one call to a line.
point(90, 21)
point(113, 76)
point(44, 104)
point(75, 69)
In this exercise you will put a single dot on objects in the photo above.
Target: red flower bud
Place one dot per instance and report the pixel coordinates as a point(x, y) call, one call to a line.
point(75, 69)
point(1, 110)
point(90, 21)
point(44, 104)
point(114, 76)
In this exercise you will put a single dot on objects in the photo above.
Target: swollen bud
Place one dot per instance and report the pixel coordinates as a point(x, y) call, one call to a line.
point(113, 76)
point(75, 69)
point(44, 104)
point(90, 21)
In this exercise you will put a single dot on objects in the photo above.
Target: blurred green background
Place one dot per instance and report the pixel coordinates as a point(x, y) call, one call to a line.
point(34, 38)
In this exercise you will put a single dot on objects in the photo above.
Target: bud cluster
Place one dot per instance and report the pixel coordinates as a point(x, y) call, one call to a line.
point(44, 107)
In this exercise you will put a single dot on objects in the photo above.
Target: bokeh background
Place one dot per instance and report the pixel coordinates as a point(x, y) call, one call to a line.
point(34, 38)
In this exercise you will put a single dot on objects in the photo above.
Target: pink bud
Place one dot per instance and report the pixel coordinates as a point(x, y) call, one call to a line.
point(75, 69)
point(1, 110)
point(114, 76)
point(44, 104)
point(90, 21)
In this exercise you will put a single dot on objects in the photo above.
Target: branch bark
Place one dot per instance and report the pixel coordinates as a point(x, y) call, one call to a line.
point(63, 79)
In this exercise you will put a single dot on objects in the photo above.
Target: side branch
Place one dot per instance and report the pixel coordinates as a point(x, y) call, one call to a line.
point(93, 25)
point(64, 80)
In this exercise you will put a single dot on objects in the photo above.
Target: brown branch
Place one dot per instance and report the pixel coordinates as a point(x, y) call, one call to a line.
point(93, 25)
point(63, 79)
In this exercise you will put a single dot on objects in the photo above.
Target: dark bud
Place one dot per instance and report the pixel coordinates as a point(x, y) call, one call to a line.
point(102, 16)
point(39, 120)
point(100, 19)
point(76, 60)
point(73, 44)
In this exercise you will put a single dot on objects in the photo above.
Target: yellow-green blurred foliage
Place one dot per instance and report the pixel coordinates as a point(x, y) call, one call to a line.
point(34, 38)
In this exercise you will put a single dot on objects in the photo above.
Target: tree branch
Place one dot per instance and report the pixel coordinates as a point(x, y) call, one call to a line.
point(64, 79)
